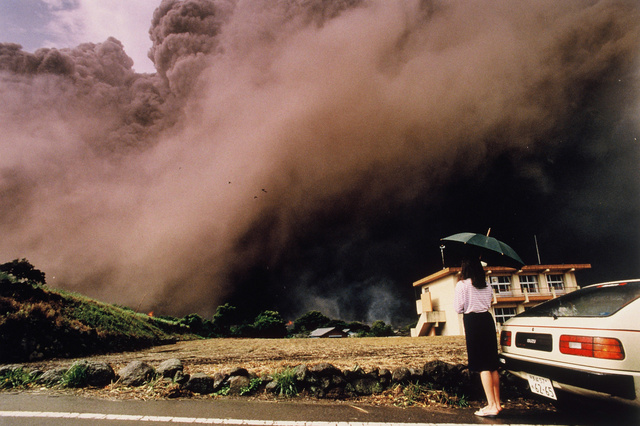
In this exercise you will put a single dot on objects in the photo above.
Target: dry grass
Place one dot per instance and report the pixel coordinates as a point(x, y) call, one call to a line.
point(267, 355)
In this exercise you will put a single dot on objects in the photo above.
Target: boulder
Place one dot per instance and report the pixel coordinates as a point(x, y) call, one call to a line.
point(181, 378)
point(96, 373)
point(271, 386)
point(7, 369)
point(238, 383)
point(136, 373)
point(460, 381)
point(300, 372)
point(170, 367)
point(324, 375)
point(200, 383)
point(323, 379)
point(52, 377)
point(338, 380)
point(384, 376)
point(239, 371)
point(401, 375)
point(437, 372)
point(366, 386)
point(416, 374)
point(219, 379)
point(355, 373)
point(324, 369)
point(318, 385)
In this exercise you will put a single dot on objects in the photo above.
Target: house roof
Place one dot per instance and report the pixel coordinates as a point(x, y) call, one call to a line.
point(528, 269)
point(319, 332)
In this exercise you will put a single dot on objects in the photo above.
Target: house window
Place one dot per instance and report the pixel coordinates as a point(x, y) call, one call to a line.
point(556, 282)
point(501, 285)
point(529, 283)
point(503, 314)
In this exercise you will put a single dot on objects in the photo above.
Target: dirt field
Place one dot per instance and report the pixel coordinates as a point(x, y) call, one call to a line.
point(262, 356)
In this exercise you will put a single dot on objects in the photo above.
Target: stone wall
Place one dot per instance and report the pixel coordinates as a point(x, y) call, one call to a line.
point(319, 380)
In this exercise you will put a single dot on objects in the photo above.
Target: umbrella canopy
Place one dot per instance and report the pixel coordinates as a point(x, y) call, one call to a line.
point(491, 250)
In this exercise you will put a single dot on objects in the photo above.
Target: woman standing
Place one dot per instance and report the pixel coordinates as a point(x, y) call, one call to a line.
point(473, 299)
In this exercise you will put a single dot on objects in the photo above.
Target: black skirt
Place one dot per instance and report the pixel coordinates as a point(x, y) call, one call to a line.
point(482, 343)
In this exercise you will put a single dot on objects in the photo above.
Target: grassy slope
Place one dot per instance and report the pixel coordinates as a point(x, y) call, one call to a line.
point(37, 322)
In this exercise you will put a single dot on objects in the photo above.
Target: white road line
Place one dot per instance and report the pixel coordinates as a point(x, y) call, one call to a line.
point(193, 420)
point(204, 420)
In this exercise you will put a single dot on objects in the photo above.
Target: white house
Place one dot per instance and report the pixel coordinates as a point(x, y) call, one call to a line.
point(514, 290)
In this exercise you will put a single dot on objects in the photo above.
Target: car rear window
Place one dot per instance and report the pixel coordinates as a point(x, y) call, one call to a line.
point(596, 301)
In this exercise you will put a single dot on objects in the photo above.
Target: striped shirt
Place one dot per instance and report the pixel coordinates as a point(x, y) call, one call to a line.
point(469, 299)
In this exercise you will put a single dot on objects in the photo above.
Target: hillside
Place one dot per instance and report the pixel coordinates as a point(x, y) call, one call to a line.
point(39, 323)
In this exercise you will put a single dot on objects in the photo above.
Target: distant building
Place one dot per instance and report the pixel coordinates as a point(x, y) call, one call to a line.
point(513, 292)
point(329, 332)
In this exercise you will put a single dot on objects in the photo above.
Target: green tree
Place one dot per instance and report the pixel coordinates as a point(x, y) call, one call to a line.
point(310, 321)
point(338, 324)
point(225, 317)
point(269, 324)
point(358, 327)
point(243, 330)
point(380, 329)
point(22, 269)
point(197, 324)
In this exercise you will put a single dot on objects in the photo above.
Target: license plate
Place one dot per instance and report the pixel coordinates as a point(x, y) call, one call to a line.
point(541, 386)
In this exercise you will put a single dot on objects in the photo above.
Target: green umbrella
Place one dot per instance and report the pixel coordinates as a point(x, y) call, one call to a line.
point(491, 250)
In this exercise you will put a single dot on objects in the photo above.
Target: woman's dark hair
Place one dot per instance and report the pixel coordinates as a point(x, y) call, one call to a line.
point(472, 268)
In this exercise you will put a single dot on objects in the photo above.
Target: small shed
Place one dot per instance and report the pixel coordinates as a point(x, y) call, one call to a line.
point(328, 332)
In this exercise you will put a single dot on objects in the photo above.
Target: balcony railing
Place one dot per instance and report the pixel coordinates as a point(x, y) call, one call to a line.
point(542, 290)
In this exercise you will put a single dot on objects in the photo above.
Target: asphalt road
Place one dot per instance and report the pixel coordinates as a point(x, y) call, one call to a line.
point(27, 408)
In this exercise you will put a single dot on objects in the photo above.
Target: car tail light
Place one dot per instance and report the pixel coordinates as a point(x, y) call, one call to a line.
point(505, 338)
point(596, 347)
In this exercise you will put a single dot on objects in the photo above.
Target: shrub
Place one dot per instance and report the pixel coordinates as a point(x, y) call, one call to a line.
point(286, 382)
point(224, 390)
point(75, 377)
point(254, 385)
point(16, 378)
point(415, 393)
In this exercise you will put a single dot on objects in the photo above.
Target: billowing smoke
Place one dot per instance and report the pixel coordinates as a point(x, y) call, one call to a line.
point(299, 155)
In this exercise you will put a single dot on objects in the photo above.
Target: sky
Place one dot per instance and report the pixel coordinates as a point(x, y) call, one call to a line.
point(68, 23)
point(309, 155)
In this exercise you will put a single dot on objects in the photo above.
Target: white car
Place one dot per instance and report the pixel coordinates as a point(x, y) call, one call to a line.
point(584, 343)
